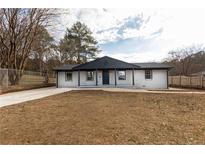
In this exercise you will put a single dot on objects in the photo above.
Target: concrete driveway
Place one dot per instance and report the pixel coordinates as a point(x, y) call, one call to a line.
point(27, 95)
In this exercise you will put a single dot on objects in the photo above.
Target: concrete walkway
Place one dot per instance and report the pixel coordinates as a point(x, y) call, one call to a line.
point(155, 91)
point(170, 91)
point(27, 95)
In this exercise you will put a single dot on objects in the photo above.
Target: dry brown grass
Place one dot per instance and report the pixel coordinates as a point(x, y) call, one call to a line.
point(16, 88)
point(99, 117)
point(28, 82)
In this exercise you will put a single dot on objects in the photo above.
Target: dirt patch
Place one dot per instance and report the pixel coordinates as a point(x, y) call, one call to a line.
point(100, 117)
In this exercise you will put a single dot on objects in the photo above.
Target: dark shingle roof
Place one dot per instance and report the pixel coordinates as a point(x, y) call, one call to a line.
point(152, 65)
point(105, 63)
point(66, 67)
point(111, 63)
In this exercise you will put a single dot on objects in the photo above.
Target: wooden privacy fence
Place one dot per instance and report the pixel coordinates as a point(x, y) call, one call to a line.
point(187, 81)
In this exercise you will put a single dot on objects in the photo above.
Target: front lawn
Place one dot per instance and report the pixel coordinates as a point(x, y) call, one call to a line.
point(99, 117)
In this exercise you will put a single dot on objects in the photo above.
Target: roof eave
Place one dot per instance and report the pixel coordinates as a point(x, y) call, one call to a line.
point(139, 68)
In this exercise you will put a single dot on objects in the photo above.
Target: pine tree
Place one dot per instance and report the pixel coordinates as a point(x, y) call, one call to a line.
point(78, 44)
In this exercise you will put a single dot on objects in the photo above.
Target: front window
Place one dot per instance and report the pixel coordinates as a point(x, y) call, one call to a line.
point(68, 76)
point(90, 75)
point(148, 74)
point(121, 75)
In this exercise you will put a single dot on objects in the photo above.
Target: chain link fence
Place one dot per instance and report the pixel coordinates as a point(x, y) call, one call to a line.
point(16, 79)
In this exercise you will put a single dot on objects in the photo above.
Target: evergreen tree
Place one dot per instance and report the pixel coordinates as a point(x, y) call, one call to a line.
point(78, 44)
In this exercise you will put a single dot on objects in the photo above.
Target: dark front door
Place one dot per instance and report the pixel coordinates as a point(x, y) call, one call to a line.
point(105, 76)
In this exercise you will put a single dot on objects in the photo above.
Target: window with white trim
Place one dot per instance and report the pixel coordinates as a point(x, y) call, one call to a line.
point(68, 76)
point(121, 75)
point(90, 75)
point(148, 74)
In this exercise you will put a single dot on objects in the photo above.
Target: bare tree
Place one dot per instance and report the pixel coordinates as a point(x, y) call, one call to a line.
point(19, 29)
point(182, 59)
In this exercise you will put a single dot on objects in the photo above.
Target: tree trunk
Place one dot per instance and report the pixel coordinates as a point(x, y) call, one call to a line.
point(14, 77)
point(2, 74)
point(46, 77)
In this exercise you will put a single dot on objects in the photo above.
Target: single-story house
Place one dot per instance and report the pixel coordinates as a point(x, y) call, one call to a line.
point(107, 71)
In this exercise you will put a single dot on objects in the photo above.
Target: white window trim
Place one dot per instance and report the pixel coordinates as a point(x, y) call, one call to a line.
point(151, 74)
point(125, 75)
point(87, 76)
point(66, 80)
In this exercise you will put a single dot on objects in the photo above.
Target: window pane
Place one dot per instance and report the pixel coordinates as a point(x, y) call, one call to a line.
point(148, 74)
point(121, 75)
point(68, 76)
point(90, 75)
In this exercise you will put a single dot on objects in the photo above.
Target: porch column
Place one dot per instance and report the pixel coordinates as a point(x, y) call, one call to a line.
point(96, 77)
point(115, 77)
point(167, 79)
point(133, 77)
point(56, 79)
point(79, 78)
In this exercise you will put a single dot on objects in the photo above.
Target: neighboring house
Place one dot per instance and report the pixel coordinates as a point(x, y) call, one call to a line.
point(111, 72)
point(202, 73)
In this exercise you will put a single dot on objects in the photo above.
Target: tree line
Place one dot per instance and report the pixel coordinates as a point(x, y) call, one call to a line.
point(187, 60)
point(25, 43)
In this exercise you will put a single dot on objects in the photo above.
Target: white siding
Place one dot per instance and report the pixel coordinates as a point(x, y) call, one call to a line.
point(85, 82)
point(63, 83)
point(83, 79)
point(158, 81)
point(127, 82)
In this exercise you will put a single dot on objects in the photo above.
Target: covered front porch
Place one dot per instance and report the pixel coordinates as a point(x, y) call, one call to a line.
point(106, 77)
